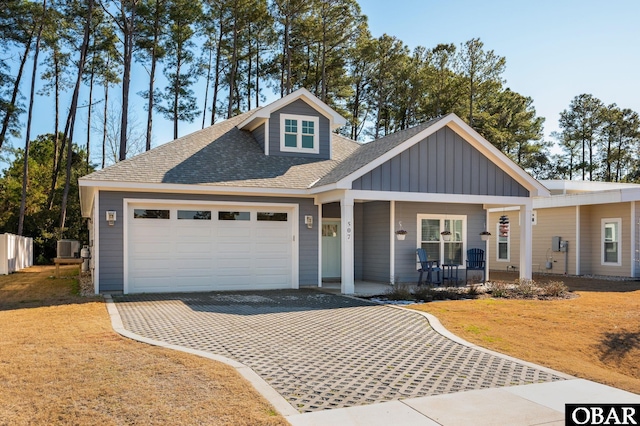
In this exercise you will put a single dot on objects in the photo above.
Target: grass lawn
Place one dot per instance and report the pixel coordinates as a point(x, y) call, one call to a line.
point(61, 363)
point(595, 336)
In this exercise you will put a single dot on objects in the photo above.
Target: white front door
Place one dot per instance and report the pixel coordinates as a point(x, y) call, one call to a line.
point(331, 252)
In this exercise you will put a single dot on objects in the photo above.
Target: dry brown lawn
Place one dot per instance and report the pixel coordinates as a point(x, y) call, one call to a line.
point(594, 336)
point(61, 363)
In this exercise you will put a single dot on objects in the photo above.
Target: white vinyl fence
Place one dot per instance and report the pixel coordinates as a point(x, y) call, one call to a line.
point(16, 253)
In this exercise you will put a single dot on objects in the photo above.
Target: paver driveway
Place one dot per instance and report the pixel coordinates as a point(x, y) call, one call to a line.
point(322, 351)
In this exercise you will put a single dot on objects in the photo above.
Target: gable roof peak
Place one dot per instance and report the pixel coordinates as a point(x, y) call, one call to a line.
point(260, 116)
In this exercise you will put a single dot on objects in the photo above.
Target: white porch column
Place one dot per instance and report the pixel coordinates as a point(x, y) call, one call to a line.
point(346, 222)
point(526, 241)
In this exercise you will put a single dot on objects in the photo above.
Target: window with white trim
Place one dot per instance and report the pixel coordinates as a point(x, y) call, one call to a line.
point(431, 240)
point(503, 246)
point(299, 133)
point(611, 250)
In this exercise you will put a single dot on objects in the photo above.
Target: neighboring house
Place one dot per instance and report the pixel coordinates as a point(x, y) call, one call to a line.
point(274, 198)
point(598, 224)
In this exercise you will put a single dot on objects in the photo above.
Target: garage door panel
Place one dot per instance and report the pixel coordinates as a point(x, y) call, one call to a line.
point(194, 248)
point(202, 255)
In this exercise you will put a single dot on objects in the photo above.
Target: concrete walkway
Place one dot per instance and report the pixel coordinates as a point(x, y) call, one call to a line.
point(327, 359)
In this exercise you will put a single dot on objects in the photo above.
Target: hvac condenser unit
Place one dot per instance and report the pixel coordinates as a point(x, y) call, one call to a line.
point(68, 249)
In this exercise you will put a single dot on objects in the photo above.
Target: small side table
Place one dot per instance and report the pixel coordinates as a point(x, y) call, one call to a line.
point(450, 272)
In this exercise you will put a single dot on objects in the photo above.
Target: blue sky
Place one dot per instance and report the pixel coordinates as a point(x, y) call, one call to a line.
point(555, 50)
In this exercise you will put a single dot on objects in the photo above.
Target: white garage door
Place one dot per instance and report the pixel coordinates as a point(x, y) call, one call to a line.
point(173, 248)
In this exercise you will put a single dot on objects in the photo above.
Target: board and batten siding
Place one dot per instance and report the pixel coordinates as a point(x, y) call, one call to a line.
point(299, 107)
point(442, 163)
point(111, 238)
point(375, 241)
point(405, 251)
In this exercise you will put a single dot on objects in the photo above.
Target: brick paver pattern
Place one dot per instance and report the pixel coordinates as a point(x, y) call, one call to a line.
point(322, 351)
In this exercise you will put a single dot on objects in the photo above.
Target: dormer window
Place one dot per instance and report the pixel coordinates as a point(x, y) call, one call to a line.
point(299, 133)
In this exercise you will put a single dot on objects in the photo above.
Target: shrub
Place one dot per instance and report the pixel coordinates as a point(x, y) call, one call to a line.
point(526, 288)
point(424, 293)
point(399, 292)
point(473, 290)
point(554, 289)
point(499, 289)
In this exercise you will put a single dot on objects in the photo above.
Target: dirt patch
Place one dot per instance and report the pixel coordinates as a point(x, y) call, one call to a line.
point(61, 363)
point(595, 336)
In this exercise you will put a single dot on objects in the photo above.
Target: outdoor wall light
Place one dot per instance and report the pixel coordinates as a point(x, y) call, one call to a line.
point(111, 217)
point(308, 220)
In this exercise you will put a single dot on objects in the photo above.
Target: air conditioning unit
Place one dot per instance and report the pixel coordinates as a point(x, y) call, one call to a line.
point(68, 249)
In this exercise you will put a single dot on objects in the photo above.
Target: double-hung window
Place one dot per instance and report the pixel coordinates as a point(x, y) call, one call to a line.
point(431, 240)
point(299, 133)
point(611, 250)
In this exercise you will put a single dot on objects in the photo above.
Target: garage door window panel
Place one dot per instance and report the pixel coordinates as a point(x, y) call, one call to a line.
point(272, 217)
point(234, 216)
point(150, 214)
point(194, 215)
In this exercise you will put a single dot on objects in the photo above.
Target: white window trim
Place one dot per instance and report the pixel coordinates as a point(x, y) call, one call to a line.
point(618, 240)
point(508, 259)
point(442, 218)
point(298, 148)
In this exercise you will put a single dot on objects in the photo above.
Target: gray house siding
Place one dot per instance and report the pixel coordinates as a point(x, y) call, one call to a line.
point(375, 241)
point(442, 163)
point(258, 134)
point(299, 107)
point(111, 237)
point(407, 213)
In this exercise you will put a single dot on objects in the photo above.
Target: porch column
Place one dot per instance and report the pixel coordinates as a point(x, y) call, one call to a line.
point(346, 222)
point(526, 241)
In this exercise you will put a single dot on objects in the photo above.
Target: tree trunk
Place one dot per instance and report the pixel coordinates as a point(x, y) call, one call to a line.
point(152, 75)
point(56, 137)
point(232, 74)
point(216, 83)
point(257, 71)
point(206, 90)
point(128, 33)
point(27, 143)
point(104, 121)
point(14, 95)
point(90, 106)
point(72, 115)
point(176, 90)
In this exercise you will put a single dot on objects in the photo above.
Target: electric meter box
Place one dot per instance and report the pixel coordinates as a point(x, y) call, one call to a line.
point(555, 243)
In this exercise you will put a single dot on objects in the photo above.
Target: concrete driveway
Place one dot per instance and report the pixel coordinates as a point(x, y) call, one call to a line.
point(322, 351)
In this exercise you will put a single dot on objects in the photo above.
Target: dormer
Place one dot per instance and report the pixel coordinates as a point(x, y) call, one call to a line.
point(298, 125)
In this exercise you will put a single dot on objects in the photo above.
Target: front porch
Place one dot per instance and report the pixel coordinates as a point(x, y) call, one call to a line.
point(368, 257)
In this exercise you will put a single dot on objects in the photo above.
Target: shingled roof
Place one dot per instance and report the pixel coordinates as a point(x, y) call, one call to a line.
point(223, 155)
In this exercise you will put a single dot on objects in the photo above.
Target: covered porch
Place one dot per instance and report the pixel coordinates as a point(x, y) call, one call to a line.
point(361, 253)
